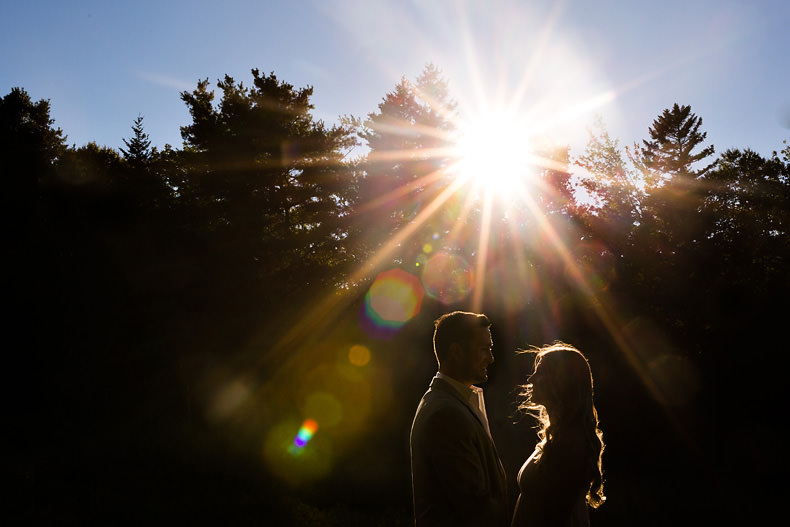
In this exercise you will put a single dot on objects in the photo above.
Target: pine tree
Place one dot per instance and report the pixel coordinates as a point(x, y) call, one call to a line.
point(671, 170)
point(670, 152)
point(612, 202)
point(138, 148)
point(408, 138)
point(266, 184)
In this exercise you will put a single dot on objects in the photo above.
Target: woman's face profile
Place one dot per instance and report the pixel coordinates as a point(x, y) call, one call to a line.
point(537, 380)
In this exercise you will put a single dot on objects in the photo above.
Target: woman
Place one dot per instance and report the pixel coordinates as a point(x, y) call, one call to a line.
point(563, 476)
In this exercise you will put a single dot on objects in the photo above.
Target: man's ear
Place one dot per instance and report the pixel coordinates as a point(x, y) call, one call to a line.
point(456, 352)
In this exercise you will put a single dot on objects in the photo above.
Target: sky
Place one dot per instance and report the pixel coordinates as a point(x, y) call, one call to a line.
point(554, 64)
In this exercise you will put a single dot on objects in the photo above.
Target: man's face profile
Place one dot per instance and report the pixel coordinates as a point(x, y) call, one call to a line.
point(476, 356)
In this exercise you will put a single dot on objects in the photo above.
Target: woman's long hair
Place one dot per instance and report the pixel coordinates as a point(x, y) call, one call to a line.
point(568, 387)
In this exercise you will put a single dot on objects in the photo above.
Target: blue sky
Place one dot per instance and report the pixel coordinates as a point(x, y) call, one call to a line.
point(556, 63)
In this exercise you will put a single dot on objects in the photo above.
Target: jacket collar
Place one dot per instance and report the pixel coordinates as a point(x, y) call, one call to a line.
point(441, 383)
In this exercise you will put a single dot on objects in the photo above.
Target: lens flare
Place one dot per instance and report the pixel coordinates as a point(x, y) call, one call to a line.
point(306, 432)
point(394, 298)
point(228, 399)
point(325, 407)
point(294, 464)
point(359, 355)
point(447, 277)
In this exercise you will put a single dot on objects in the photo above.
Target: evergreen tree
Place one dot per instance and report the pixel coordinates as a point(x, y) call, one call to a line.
point(609, 210)
point(608, 181)
point(669, 163)
point(138, 148)
point(88, 189)
point(145, 181)
point(409, 138)
point(29, 148)
point(745, 208)
point(266, 185)
point(670, 152)
point(555, 190)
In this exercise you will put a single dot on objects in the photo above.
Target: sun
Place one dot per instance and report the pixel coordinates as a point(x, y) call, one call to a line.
point(493, 153)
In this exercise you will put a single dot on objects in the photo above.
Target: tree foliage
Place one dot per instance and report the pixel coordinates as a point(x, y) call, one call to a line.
point(138, 148)
point(264, 181)
point(403, 172)
point(29, 148)
point(610, 184)
point(669, 153)
point(745, 212)
point(670, 168)
point(144, 282)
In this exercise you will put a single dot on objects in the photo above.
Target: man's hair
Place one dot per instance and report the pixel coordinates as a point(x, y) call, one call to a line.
point(456, 327)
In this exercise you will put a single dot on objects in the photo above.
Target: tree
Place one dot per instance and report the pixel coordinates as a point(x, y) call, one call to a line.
point(408, 138)
point(669, 165)
point(145, 178)
point(88, 189)
point(745, 208)
point(138, 148)
point(661, 263)
point(556, 195)
point(29, 148)
point(675, 134)
point(609, 208)
point(609, 183)
point(266, 185)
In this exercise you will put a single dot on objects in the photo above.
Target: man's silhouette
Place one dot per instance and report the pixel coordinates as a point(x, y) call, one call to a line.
point(457, 477)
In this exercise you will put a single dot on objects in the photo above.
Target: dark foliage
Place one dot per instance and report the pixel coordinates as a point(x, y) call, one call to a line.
point(171, 311)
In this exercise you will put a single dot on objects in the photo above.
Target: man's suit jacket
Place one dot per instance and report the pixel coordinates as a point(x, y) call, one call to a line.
point(457, 477)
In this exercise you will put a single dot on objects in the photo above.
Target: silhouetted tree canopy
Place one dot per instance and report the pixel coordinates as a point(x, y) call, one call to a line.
point(138, 148)
point(670, 167)
point(174, 306)
point(614, 197)
point(264, 185)
point(408, 140)
point(29, 147)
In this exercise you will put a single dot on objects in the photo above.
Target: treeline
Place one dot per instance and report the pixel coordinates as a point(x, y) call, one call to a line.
point(139, 280)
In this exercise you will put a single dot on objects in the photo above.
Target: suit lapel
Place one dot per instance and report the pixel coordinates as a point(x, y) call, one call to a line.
point(444, 386)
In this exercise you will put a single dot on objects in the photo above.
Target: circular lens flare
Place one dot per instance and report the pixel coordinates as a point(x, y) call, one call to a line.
point(359, 355)
point(393, 299)
point(447, 277)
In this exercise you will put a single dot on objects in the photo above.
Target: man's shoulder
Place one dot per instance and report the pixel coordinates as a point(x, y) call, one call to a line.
point(440, 417)
point(442, 393)
point(441, 403)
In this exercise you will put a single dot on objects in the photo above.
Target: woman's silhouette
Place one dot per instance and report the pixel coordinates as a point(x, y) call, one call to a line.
point(563, 476)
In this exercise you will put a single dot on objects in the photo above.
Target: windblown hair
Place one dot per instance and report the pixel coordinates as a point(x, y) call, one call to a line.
point(568, 384)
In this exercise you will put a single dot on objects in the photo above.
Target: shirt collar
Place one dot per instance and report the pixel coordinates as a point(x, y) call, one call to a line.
point(469, 392)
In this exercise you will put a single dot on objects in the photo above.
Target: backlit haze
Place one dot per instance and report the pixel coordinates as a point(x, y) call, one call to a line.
point(552, 65)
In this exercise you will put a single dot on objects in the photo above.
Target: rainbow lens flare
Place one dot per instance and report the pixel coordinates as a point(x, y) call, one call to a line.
point(447, 277)
point(304, 435)
point(394, 298)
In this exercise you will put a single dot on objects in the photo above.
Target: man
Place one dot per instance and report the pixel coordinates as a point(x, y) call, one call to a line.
point(457, 477)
